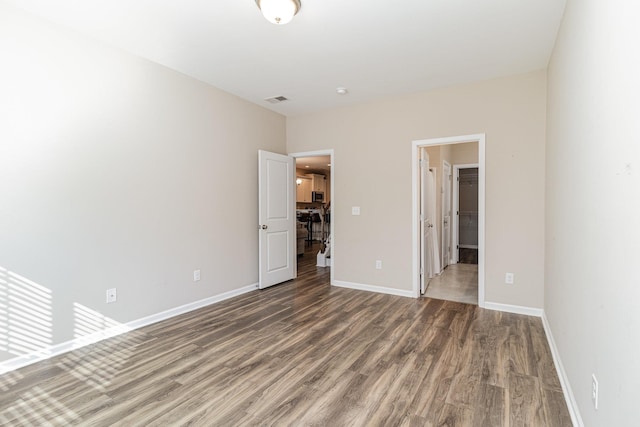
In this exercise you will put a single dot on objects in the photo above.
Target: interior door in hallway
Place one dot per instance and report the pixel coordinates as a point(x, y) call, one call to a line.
point(430, 259)
point(446, 213)
point(276, 216)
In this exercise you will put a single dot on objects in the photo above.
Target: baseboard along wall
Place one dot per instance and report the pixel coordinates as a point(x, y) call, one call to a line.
point(58, 349)
point(572, 405)
point(373, 288)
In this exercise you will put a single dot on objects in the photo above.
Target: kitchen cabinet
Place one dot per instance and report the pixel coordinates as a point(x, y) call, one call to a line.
point(318, 183)
point(303, 190)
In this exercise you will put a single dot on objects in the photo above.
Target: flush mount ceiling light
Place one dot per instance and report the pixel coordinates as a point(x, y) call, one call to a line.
point(342, 91)
point(279, 11)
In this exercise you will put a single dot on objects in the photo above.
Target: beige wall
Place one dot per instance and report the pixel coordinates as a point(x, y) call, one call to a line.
point(372, 169)
point(117, 172)
point(462, 154)
point(592, 291)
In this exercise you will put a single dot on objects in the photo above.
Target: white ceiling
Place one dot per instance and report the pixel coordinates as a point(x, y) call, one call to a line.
point(312, 164)
point(375, 48)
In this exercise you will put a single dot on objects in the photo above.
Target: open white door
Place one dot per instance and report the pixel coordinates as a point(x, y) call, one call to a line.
point(276, 214)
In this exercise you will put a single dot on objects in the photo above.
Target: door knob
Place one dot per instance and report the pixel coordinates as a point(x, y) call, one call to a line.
point(264, 227)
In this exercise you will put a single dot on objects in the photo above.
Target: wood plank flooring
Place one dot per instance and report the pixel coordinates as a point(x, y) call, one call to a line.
point(306, 354)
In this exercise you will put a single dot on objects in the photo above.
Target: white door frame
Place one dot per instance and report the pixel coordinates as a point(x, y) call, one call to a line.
point(426, 264)
point(327, 152)
point(455, 235)
point(445, 179)
point(415, 173)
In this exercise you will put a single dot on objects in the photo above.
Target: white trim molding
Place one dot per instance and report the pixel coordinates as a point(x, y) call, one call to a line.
point(455, 201)
point(570, 399)
point(172, 312)
point(58, 349)
point(372, 288)
point(332, 233)
point(415, 221)
point(516, 309)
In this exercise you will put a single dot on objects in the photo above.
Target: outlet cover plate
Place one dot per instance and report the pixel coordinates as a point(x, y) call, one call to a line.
point(112, 295)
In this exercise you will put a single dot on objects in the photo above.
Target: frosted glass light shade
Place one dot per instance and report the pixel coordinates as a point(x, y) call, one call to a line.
point(279, 12)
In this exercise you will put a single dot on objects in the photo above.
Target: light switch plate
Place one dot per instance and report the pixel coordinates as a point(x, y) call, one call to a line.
point(355, 210)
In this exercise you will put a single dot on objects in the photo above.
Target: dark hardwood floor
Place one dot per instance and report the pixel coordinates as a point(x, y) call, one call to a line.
point(303, 353)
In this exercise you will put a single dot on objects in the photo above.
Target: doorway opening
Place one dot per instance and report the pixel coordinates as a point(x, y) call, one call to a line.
point(458, 281)
point(314, 226)
point(465, 218)
point(438, 272)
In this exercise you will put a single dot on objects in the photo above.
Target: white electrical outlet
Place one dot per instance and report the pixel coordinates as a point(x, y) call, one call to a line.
point(594, 391)
point(508, 278)
point(112, 296)
point(378, 265)
point(355, 210)
point(196, 275)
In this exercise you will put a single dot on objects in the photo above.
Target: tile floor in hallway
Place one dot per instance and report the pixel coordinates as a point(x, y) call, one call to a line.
point(458, 282)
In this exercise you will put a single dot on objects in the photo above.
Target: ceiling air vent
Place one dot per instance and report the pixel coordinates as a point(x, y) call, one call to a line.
point(276, 99)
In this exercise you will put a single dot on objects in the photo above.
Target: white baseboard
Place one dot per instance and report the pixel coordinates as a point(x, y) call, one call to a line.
point(373, 288)
point(572, 405)
point(61, 348)
point(57, 349)
point(517, 309)
point(172, 312)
